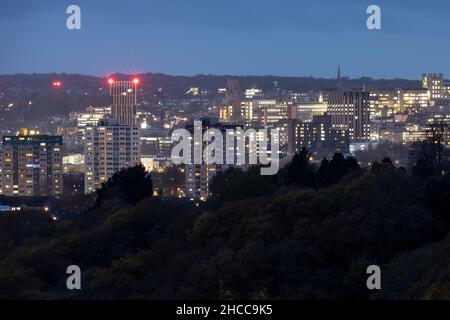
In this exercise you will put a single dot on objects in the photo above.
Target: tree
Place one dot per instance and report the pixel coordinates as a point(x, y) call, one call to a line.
point(237, 184)
point(322, 173)
point(300, 171)
point(130, 184)
point(332, 172)
point(437, 194)
point(386, 163)
point(431, 154)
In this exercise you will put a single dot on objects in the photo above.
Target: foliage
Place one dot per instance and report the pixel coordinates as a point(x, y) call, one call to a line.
point(131, 184)
point(285, 242)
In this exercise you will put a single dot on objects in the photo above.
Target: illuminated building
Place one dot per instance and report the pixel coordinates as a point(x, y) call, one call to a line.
point(225, 113)
point(248, 111)
point(31, 165)
point(318, 136)
point(385, 103)
point(252, 93)
point(108, 149)
point(73, 163)
point(245, 109)
point(434, 83)
point(304, 97)
point(349, 110)
point(271, 111)
point(113, 144)
point(393, 134)
point(439, 118)
point(150, 163)
point(198, 177)
point(402, 133)
point(232, 110)
point(306, 111)
point(123, 107)
point(91, 117)
point(157, 145)
point(414, 99)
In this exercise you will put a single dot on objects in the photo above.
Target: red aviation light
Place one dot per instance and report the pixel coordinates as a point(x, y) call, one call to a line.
point(136, 81)
point(56, 83)
point(110, 81)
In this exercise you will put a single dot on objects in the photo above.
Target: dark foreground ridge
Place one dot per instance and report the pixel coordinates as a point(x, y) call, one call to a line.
point(259, 237)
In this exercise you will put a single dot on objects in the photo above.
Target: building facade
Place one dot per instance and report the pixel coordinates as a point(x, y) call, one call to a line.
point(124, 101)
point(108, 149)
point(31, 165)
point(349, 110)
point(318, 136)
point(113, 144)
point(434, 83)
point(386, 103)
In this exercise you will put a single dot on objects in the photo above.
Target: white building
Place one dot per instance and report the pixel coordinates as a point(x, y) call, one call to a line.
point(108, 149)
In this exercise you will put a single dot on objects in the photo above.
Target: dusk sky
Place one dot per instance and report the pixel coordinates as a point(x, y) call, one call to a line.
point(239, 37)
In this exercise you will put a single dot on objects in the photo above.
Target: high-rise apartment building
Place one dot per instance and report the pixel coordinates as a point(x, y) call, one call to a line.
point(113, 144)
point(198, 177)
point(108, 149)
point(31, 165)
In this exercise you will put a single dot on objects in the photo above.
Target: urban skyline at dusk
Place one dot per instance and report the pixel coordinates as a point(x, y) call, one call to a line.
point(229, 158)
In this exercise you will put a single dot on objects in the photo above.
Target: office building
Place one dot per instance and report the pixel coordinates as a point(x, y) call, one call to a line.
point(386, 103)
point(253, 93)
point(271, 111)
point(434, 83)
point(318, 136)
point(124, 101)
point(91, 117)
point(305, 111)
point(349, 110)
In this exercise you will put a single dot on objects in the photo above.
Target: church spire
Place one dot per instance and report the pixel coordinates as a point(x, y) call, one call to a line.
point(339, 79)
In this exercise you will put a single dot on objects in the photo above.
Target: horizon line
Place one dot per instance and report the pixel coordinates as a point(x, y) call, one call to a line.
point(348, 78)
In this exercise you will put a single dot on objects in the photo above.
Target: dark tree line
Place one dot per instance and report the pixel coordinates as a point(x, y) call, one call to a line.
point(306, 233)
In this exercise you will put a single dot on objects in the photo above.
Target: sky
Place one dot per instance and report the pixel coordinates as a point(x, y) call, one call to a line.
point(232, 37)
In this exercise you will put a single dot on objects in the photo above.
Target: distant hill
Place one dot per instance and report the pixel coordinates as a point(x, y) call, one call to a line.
point(177, 85)
point(80, 91)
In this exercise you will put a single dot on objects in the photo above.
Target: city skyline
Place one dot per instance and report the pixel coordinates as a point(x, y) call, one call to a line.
point(300, 38)
point(226, 157)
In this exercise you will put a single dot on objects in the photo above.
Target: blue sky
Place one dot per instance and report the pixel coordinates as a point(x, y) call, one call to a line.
point(282, 37)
